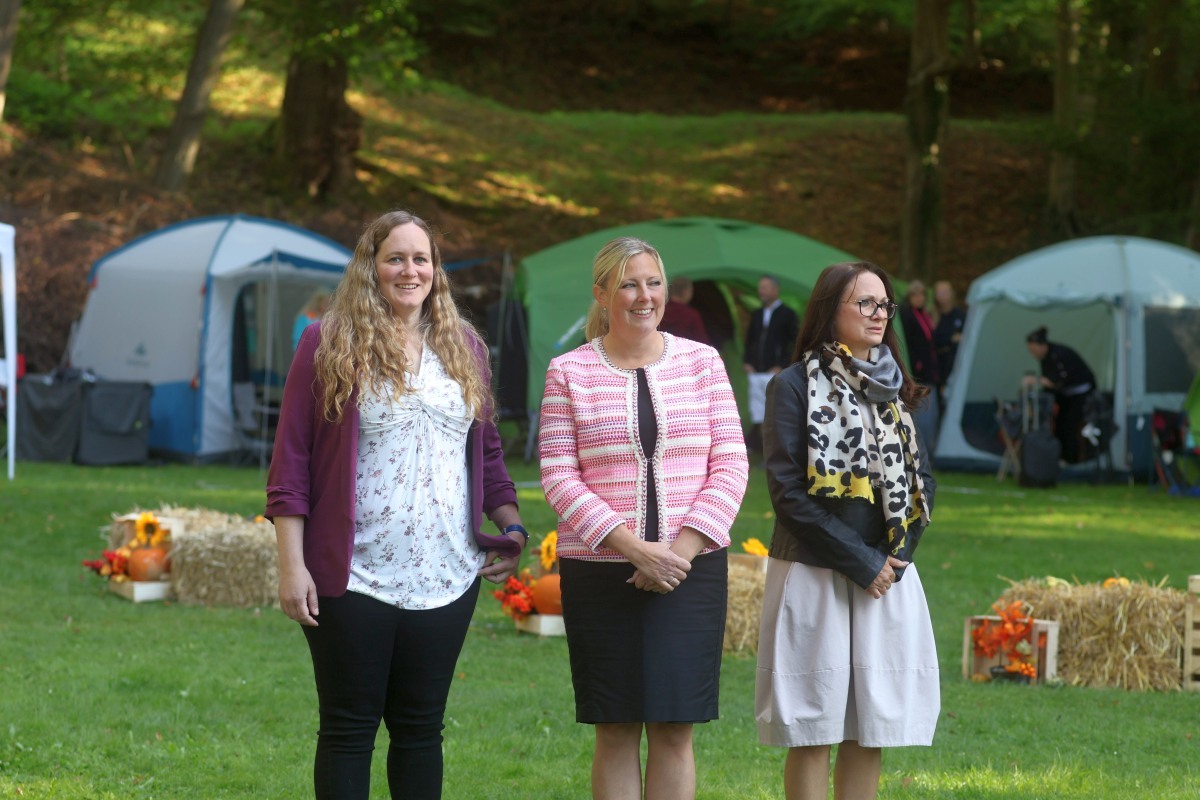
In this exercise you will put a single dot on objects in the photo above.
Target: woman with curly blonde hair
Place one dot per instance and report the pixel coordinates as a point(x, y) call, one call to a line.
point(386, 459)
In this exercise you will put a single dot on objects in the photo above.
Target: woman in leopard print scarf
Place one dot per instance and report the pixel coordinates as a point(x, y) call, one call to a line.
point(846, 651)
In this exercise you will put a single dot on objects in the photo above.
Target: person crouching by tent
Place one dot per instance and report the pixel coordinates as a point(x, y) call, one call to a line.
point(1065, 373)
point(385, 460)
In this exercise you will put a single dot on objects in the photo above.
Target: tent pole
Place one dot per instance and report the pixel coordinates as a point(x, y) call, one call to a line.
point(269, 359)
point(502, 317)
point(8, 291)
point(1126, 359)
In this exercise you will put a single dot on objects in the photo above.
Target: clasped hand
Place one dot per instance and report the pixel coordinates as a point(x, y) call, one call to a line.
point(659, 568)
point(886, 577)
point(497, 568)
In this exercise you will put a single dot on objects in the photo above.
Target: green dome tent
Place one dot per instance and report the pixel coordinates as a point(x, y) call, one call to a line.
point(553, 285)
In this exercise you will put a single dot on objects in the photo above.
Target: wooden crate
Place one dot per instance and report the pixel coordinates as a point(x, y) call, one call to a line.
point(141, 591)
point(543, 625)
point(1044, 658)
point(1191, 637)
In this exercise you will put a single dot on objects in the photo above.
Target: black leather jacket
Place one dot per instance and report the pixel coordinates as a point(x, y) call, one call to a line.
point(847, 536)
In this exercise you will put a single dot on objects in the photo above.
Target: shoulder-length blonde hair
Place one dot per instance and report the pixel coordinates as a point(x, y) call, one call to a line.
point(362, 344)
point(608, 270)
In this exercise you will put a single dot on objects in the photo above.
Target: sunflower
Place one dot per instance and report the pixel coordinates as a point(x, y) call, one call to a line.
point(149, 532)
point(548, 551)
point(754, 547)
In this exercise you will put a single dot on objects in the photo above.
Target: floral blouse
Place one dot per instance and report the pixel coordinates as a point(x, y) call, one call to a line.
point(412, 540)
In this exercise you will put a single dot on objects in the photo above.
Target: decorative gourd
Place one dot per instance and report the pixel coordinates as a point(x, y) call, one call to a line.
point(547, 595)
point(147, 563)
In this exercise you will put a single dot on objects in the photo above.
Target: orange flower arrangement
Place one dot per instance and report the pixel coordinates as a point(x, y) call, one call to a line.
point(516, 596)
point(113, 565)
point(1011, 636)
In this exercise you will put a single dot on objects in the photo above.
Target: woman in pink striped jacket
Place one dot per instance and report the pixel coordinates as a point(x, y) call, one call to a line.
point(642, 457)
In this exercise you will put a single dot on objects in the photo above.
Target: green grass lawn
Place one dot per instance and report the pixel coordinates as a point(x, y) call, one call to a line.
point(101, 698)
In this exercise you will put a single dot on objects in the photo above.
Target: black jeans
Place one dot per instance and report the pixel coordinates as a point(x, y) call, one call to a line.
point(374, 661)
point(1067, 427)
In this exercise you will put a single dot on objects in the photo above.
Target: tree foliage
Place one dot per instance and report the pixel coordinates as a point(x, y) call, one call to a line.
point(375, 38)
point(74, 77)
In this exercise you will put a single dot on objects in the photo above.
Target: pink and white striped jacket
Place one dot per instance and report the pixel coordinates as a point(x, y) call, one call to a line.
point(593, 470)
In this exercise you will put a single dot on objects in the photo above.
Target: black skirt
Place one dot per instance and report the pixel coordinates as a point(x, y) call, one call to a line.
point(639, 656)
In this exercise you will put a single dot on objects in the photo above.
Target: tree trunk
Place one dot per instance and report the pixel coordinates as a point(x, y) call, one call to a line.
point(184, 142)
point(1163, 43)
point(9, 12)
point(1192, 236)
point(319, 132)
point(972, 51)
point(1062, 214)
point(927, 111)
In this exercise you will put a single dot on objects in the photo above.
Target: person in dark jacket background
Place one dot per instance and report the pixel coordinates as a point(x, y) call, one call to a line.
point(769, 342)
point(679, 317)
point(846, 649)
point(922, 360)
point(948, 330)
point(1065, 373)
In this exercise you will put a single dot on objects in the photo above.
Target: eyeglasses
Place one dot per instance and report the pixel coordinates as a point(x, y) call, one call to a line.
point(867, 307)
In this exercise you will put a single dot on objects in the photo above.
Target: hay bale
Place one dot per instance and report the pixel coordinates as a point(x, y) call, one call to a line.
point(1124, 636)
point(744, 614)
point(223, 559)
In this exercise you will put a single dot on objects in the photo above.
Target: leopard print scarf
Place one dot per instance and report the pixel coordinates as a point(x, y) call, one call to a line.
point(845, 459)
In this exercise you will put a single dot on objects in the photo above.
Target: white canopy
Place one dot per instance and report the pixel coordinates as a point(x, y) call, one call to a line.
point(1129, 306)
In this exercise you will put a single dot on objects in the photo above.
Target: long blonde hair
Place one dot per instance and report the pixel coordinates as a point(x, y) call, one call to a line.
point(608, 270)
point(363, 345)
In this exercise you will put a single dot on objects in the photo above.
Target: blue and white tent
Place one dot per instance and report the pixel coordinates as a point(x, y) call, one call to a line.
point(196, 307)
point(1129, 306)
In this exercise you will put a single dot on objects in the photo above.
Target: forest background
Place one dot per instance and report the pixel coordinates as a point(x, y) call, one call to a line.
point(938, 138)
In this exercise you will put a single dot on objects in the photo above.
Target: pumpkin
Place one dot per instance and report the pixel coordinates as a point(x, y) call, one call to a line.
point(147, 563)
point(547, 595)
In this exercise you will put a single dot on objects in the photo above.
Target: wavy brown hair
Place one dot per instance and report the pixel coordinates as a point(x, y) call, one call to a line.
point(362, 344)
point(608, 270)
point(822, 310)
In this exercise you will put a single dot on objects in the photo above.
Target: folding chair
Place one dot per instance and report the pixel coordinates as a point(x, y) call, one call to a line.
point(1168, 431)
point(1032, 411)
point(251, 422)
point(1009, 421)
point(1099, 427)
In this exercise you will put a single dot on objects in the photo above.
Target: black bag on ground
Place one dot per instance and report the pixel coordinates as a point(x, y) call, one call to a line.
point(49, 414)
point(1040, 452)
point(116, 423)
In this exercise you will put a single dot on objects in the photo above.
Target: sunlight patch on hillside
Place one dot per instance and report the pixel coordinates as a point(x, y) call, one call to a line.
point(248, 91)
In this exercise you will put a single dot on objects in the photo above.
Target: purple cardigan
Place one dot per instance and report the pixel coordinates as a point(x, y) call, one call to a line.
point(313, 466)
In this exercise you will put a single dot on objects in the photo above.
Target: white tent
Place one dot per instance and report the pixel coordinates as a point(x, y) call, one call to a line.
point(1129, 306)
point(195, 308)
